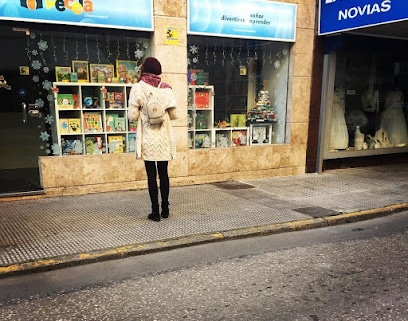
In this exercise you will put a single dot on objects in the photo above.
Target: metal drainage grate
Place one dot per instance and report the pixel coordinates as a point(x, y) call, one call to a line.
point(316, 211)
point(231, 185)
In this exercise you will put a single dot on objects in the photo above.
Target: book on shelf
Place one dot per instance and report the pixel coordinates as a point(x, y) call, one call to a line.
point(131, 142)
point(74, 125)
point(71, 146)
point(93, 122)
point(110, 122)
point(114, 100)
point(63, 126)
point(202, 99)
point(132, 126)
point(115, 144)
point(67, 101)
point(120, 124)
point(93, 145)
point(239, 137)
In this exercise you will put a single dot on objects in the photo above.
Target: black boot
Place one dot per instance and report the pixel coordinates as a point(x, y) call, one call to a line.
point(165, 210)
point(154, 216)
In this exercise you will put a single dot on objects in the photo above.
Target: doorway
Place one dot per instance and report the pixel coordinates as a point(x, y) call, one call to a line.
point(21, 117)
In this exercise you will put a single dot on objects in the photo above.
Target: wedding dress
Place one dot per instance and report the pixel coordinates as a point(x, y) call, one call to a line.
point(339, 137)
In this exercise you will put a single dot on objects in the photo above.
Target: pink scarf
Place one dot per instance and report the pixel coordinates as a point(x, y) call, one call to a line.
point(153, 80)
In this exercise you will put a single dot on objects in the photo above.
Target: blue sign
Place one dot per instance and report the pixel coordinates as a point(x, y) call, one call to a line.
point(342, 15)
point(252, 19)
point(123, 14)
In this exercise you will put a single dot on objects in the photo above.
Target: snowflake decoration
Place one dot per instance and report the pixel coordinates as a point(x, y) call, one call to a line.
point(40, 102)
point(56, 149)
point(145, 45)
point(277, 64)
point(34, 52)
point(36, 78)
point(138, 54)
point(47, 85)
point(285, 52)
point(50, 97)
point(195, 60)
point(50, 119)
point(33, 35)
point(36, 64)
point(46, 70)
point(193, 49)
point(42, 45)
point(44, 136)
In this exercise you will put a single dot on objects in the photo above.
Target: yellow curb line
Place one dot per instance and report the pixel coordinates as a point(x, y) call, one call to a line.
point(140, 249)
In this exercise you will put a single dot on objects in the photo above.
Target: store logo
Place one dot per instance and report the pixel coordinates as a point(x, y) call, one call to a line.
point(61, 5)
point(330, 1)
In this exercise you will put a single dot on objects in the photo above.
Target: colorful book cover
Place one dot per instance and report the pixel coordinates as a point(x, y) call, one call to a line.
point(131, 142)
point(63, 126)
point(110, 122)
point(120, 124)
point(202, 99)
point(115, 144)
point(71, 147)
point(74, 125)
point(93, 122)
point(239, 137)
point(132, 127)
point(93, 145)
point(65, 101)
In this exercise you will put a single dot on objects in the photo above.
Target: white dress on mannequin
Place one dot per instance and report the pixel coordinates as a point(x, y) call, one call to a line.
point(393, 119)
point(339, 137)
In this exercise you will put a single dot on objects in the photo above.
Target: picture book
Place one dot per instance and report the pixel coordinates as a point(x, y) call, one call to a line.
point(202, 99)
point(115, 144)
point(239, 137)
point(131, 142)
point(93, 122)
point(74, 125)
point(71, 147)
point(110, 122)
point(93, 145)
point(114, 100)
point(132, 126)
point(120, 124)
point(63, 126)
point(66, 101)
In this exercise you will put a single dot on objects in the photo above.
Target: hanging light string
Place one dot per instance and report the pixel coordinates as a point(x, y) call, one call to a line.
point(206, 54)
point(86, 47)
point(117, 49)
point(98, 57)
point(64, 49)
point(108, 50)
point(54, 48)
point(127, 48)
point(76, 48)
point(28, 51)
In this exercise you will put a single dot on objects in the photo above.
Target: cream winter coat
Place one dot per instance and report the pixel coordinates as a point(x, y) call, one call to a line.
point(153, 142)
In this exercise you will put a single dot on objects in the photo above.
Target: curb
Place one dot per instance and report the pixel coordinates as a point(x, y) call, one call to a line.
point(60, 262)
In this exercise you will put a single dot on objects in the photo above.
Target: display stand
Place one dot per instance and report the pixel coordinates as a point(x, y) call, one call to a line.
point(91, 118)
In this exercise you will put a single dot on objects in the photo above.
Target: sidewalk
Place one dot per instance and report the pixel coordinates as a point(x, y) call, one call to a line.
point(49, 233)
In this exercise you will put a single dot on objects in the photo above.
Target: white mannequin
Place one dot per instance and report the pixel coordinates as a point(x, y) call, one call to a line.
point(393, 119)
point(338, 130)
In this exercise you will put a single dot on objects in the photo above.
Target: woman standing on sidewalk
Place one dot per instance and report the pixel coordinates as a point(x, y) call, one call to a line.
point(155, 143)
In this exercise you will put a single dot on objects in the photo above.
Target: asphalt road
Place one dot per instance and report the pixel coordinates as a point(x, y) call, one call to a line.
point(350, 272)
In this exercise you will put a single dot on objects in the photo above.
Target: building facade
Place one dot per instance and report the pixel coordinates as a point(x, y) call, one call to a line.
point(267, 78)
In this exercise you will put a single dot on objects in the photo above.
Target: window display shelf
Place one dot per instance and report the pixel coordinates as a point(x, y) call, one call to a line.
point(92, 118)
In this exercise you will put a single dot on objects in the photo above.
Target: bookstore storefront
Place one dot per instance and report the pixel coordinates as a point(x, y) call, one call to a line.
point(241, 73)
point(53, 60)
point(365, 84)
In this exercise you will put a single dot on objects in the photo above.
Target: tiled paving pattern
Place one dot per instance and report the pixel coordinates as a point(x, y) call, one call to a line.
point(45, 228)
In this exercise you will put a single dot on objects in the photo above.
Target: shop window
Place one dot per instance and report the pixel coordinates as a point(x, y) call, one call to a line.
point(244, 85)
point(369, 108)
point(76, 66)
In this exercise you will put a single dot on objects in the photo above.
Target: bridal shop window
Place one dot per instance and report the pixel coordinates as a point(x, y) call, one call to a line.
point(370, 99)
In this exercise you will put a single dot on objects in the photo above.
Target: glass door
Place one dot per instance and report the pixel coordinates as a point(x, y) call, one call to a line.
point(21, 117)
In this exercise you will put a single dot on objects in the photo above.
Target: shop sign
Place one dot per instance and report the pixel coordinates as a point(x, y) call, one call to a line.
point(123, 14)
point(343, 15)
point(254, 19)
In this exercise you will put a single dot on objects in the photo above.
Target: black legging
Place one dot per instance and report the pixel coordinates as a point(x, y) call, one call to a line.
point(151, 172)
